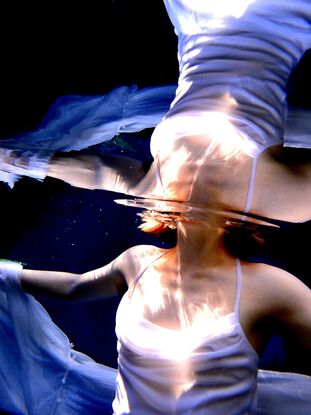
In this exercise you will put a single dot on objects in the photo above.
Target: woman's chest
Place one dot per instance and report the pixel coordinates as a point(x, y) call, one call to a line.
point(175, 301)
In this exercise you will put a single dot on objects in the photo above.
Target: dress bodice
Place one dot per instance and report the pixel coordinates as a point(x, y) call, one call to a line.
point(193, 370)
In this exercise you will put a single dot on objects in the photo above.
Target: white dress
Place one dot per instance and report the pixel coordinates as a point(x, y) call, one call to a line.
point(211, 369)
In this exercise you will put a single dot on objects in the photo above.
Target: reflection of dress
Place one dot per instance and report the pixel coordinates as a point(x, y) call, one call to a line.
point(235, 59)
point(41, 374)
point(78, 122)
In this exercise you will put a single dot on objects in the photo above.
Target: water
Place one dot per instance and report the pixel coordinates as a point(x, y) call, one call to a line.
point(52, 225)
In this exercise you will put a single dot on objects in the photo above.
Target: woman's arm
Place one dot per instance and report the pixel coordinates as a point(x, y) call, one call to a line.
point(105, 172)
point(107, 281)
point(289, 301)
point(296, 310)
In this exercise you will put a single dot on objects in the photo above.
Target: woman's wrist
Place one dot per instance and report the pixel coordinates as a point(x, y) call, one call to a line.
point(25, 163)
point(11, 270)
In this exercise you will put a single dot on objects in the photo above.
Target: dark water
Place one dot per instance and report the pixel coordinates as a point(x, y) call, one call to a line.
point(89, 50)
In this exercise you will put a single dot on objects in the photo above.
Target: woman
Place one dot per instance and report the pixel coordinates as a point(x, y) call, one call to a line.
point(190, 325)
point(204, 163)
point(223, 127)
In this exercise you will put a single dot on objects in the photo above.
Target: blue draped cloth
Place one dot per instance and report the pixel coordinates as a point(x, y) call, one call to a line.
point(76, 122)
point(40, 372)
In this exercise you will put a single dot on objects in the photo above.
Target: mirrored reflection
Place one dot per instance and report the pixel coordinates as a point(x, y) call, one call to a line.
point(196, 317)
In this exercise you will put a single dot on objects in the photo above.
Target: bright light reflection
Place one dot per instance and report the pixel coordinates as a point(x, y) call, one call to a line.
point(234, 8)
point(195, 323)
point(178, 345)
point(215, 128)
point(222, 8)
point(171, 172)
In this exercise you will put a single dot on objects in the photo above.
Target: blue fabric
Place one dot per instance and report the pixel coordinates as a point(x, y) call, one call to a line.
point(77, 122)
point(283, 393)
point(40, 373)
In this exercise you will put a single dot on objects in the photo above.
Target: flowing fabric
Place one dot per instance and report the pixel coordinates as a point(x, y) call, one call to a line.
point(77, 122)
point(282, 393)
point(40, 373)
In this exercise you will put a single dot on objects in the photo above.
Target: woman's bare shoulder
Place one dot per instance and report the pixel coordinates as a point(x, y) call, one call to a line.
point(274, 286)
point(265, 272)
point(144, 251)
point(131, 261)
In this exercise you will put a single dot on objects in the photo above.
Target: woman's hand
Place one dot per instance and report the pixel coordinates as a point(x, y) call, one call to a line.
point(11, 270)
point(24, 163)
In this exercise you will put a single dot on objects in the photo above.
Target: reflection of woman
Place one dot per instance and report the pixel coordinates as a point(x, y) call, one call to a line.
point(189, 327)
point(227, 116)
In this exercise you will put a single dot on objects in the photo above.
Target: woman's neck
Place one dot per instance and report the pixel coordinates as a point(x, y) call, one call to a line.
point(201, 244)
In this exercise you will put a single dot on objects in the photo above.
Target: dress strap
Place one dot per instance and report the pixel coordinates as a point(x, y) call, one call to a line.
point(238, 287)
point(158, 172)
point(140, 274)
point(247, 207)
point(251, 186)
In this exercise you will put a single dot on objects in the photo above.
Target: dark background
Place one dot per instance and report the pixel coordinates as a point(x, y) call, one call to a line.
point(53, 50)
point(86, 50)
